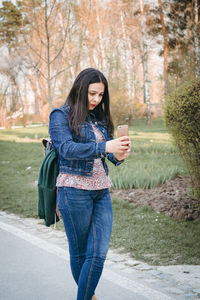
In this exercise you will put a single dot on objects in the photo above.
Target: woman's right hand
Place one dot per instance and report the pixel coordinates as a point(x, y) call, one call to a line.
point(119, 145)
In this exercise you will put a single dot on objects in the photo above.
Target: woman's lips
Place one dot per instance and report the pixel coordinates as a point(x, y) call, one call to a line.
point(93, 105)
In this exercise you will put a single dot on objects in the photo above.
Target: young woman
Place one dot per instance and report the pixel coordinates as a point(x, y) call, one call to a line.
point(82, 133)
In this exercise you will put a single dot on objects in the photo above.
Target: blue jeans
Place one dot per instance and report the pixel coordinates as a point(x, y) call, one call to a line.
point(87, 217)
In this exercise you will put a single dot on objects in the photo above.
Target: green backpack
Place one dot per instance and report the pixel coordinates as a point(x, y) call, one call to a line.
point(47, 187)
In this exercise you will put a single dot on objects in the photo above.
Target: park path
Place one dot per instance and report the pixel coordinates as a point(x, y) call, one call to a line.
point(35, 265)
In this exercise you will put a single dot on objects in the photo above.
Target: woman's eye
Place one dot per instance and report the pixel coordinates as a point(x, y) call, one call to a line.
point(93, 94)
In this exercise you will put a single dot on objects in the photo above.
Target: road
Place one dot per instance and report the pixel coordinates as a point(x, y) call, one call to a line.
point(34, 265)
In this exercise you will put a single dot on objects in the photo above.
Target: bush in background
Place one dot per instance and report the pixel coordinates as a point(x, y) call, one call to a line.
point(182, 118)
point(120, 107)
point(121, 111)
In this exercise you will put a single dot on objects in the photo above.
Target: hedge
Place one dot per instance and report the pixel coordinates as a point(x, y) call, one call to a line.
point(182, 118)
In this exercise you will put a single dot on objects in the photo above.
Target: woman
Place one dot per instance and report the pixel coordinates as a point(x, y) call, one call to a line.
point(81, 132)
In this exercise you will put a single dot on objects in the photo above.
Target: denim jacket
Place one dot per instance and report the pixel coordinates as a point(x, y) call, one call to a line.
point(76, 153)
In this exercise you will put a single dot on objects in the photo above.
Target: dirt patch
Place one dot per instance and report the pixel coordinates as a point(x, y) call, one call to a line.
point(171, 198)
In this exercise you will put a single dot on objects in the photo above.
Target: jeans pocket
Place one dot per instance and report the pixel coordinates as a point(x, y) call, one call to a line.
point(61, 200)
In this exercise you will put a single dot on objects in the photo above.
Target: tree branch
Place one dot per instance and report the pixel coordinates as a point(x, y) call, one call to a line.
point(37, 25)
point(61, 72)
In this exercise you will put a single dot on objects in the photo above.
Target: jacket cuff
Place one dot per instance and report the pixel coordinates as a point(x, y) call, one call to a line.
point(112, 158)
point(101, 149)
point(117, 162)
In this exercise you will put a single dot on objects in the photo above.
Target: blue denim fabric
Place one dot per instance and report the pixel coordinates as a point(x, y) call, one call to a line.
point(87, 217)
point(76, 153)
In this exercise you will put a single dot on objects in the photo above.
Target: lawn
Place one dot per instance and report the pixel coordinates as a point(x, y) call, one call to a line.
point(152, 161)
point(146, 235)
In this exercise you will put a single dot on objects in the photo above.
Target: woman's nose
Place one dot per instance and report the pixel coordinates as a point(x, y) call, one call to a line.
point(97, 98)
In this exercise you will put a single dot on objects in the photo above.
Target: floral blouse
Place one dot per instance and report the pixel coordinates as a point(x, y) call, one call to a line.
point(99, 179)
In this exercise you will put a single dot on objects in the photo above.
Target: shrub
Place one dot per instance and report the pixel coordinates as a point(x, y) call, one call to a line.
point(119, 107)
point(139, 110)
point(182, 118)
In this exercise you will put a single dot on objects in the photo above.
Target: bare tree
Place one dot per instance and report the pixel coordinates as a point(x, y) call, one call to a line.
point(165, 47)
point(10, 70)
point(46, 41)
point(58, 38)
point(126, 48)
point(100, 36)
point(145, 63)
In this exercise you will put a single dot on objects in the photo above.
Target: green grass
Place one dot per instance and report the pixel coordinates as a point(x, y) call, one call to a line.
point(152, 161)
point(146, 235)
point(24, 134)
point(157, 126)
point(146, 172)
point(21, 154)
point(154, 238)
point(19, 164)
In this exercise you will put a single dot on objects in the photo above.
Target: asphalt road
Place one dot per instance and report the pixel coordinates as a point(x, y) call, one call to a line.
point(34, 265)
point(31, 273)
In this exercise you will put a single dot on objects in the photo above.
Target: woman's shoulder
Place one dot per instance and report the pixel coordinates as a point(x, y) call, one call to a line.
point(64, 109)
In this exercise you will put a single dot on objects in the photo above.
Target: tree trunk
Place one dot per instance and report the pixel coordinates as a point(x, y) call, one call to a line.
point(127, 65)
point(196, 38)
point(39, 92)
point(145, 66)
point(101, 45)
point(165, 47)
point(48, 58)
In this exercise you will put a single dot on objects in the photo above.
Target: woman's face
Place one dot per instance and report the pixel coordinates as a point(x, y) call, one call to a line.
point(95, 94)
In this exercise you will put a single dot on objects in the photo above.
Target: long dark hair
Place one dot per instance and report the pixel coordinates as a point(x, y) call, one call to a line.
point(78, 100)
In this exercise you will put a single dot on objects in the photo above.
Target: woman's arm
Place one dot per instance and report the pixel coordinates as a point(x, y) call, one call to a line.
point(61, 136)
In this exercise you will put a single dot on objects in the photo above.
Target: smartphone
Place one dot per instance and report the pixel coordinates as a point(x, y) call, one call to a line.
point(122, 130)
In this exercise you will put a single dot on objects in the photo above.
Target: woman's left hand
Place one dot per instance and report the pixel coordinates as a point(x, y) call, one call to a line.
point(123, 155)
point(58, 212)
